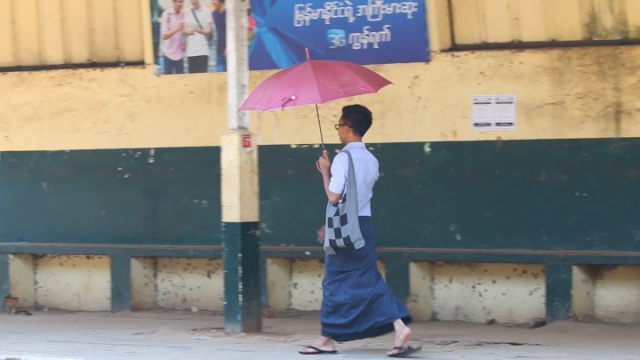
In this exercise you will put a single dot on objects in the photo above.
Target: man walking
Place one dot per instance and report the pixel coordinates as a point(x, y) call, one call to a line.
point(356, 301)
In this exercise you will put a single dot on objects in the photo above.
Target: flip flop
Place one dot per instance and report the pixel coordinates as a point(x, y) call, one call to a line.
point(405, 351)
point(317, 351)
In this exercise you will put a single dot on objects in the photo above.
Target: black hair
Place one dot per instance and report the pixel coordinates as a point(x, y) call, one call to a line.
point(358, 117)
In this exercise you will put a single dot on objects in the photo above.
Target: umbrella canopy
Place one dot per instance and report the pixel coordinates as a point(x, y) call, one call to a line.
point(313, 82)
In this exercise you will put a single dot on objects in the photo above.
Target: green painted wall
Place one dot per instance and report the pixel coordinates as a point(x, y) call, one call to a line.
point(140, 196)
point(549, 194)
point(542, 194)
point(539, 195)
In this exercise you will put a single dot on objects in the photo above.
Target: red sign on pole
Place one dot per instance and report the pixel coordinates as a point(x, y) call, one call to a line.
point(246, 141)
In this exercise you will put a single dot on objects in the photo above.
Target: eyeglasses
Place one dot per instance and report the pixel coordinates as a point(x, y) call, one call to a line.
point(337, 126)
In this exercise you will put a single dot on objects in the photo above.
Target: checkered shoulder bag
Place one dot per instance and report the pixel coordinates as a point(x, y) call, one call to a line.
point(342, 229)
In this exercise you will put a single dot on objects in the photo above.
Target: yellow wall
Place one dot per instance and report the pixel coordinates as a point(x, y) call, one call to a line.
point(582, 92)
point(109, 108)
point(503, 21)
point(561, 93)
point(47, 32)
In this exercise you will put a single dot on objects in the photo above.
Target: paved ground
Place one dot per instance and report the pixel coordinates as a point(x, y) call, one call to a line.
point(185, 335)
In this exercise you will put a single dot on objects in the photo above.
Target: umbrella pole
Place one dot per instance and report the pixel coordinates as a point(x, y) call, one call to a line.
point(320, 127)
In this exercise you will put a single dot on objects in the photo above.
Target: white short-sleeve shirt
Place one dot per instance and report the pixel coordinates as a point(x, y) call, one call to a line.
point(197, 44)
point(366, 173)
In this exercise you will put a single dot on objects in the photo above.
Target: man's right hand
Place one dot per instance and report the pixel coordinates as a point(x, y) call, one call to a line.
point(324, 163)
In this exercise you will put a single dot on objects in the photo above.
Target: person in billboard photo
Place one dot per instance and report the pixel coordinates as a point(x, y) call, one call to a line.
point(197, 30)
point(173, 40)
point(251, 24)
point(219, 16)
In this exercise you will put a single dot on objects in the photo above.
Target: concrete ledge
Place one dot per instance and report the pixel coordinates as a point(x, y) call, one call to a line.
point(445, 284)
point(297, 283)
point(607, 293)
point(22, 278)
point(143, 283)
point(315, 252)
point(73, 282)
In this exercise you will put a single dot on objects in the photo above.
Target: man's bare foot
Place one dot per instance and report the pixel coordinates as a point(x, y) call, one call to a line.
point(403, 335)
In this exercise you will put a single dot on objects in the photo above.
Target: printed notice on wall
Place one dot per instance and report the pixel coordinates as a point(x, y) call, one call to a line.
point(493, 112)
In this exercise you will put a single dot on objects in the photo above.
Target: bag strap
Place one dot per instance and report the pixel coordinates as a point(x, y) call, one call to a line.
point(193, 11)
point(351, 178)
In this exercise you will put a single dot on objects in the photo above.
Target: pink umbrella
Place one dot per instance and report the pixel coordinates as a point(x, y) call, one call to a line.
point(313, 82)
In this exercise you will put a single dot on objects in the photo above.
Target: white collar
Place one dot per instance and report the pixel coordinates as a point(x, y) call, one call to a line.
point(354, 145)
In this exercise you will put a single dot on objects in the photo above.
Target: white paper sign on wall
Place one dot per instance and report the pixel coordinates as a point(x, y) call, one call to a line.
point(493, 112)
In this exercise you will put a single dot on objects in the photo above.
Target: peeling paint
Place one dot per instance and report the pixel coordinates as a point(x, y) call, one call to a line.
point(73, 282)
point(472, 292)
point(143, 283)
point(183, 283)
point(616, 290)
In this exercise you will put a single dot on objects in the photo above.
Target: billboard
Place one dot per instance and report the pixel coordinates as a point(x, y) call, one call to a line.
point(279, 31)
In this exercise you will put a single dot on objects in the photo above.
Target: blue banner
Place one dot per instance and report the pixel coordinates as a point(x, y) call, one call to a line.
point(360, 31)
point(189, 36)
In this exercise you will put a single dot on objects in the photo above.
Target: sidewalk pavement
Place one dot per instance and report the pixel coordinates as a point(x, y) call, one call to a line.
point(165, 334)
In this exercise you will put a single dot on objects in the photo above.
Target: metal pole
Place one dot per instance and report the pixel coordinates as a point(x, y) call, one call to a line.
point(237, 62)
